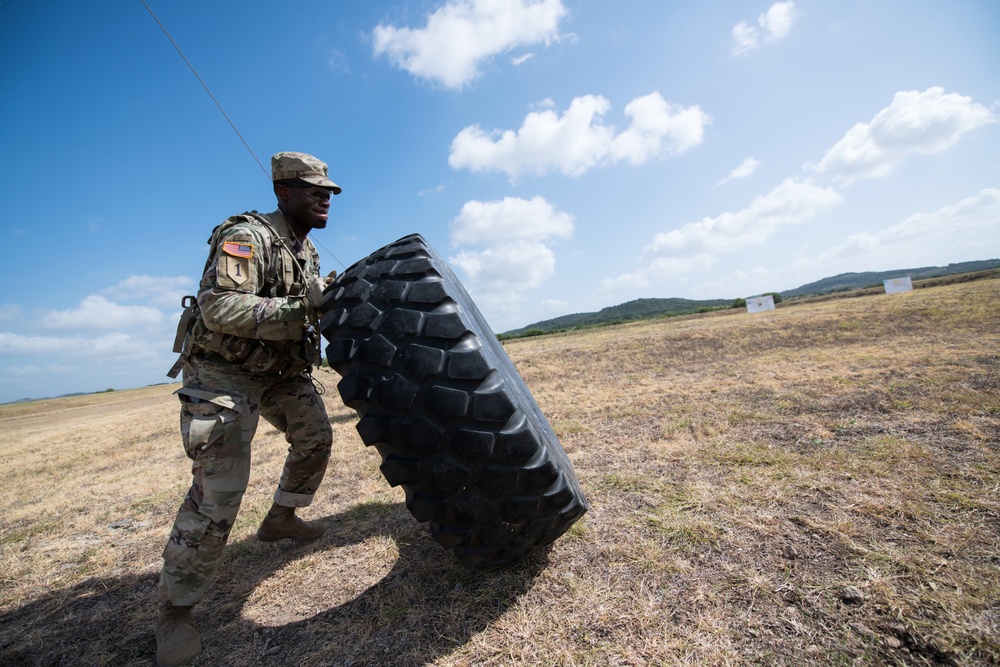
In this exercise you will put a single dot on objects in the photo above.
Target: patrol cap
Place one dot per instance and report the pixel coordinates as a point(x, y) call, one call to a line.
point(301, 167)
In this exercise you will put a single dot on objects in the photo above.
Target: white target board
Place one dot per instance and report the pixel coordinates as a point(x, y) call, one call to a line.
point(758, 304)
point(898, 285)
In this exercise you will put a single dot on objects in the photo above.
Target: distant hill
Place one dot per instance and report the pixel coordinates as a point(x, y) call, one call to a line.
point(639, 309)
point(849, 281)
point(643, 309)
point(45, 398)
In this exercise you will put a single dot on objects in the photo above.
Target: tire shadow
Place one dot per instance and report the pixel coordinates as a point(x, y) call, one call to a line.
point(425, 607)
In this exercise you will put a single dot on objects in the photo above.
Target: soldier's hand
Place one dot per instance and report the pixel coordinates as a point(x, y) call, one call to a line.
point(315, 292)
point(330, 277)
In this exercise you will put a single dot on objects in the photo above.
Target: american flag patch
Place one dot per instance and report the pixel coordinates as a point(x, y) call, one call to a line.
point(235, 249)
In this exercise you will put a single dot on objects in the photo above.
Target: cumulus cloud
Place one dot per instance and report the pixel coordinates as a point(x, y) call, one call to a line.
point(483, 223)
point(506, 250)
point(792, 202)
point(12, 344)
point(774, 24)
point(973, 214)
point(746, 168)
point(117, 346)
point(163, 291)
point(953, 233)
point(99, 343)
point(462, 34)
point(915, 123)
point(695, 245)
point(38, 365)
point(515, 265)
point(97, 312)
point(577, 141)
point(777, 20)
point(923, 236)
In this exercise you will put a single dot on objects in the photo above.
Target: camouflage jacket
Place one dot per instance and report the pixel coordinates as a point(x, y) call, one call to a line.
point(251, 306)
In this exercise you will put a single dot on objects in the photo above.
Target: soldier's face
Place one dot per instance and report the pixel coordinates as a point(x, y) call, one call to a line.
point(306, 207)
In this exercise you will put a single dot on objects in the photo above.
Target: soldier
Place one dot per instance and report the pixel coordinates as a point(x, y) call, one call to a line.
point(248, 344)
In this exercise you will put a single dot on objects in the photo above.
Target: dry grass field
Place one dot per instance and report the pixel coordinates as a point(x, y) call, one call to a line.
point(817, 485)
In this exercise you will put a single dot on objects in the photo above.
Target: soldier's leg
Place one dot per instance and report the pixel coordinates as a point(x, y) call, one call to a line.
point(294, 407)
point(217, 427)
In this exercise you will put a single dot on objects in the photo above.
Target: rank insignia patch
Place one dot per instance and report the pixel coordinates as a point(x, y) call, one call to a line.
point(244, 250)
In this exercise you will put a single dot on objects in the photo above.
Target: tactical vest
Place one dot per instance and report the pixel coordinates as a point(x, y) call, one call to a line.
point(284, 277)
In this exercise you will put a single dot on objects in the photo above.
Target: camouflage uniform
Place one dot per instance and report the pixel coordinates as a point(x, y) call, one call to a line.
point(247, 354)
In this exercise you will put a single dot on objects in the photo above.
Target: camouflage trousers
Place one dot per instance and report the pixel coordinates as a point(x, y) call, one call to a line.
point(220, 409)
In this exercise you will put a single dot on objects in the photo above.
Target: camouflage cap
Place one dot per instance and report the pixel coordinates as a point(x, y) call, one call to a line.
point(302, 167)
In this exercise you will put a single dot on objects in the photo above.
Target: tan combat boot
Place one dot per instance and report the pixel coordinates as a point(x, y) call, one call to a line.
point(281, 522)
point(176, 639)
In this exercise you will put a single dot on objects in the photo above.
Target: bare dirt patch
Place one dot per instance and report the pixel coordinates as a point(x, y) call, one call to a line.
point(817, 485)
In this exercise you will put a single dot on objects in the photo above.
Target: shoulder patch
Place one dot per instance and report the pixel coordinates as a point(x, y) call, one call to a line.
point(238, 249)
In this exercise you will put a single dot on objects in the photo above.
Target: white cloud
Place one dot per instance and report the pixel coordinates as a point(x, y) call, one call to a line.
point(658, 129)
point(915, 123)
point(513, 265)
point(337, 62)
point(432, 191)
point(954, 233)
point(462, 34)
point(555, 305)
point(483, 223)
point(792, 202)
point(97, 312)
point(508, 254)
point(746, 168)
point(31, 371)
point(921, 123)
point(657, 270)
point(741, 283)
point(778, 19)
point(577, 141)
point(15, 344)
point(116, 346)
point(663, 267)
point(50, 366)
point(163, 291)
point(926, 236)
point(745, 36)
point(624, 283)
point(696, 245)
point(571, 143)
point(9, 311)
point(520, 60)
point(99, 343)
point(972, 214)
point(775, 23)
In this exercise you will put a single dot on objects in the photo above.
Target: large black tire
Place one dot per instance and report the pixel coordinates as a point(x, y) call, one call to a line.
point(438, 397)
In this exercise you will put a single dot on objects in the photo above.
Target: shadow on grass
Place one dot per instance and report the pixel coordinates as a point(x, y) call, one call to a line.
point(426, 607)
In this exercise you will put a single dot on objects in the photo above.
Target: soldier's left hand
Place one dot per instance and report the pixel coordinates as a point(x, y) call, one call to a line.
point(315, 292)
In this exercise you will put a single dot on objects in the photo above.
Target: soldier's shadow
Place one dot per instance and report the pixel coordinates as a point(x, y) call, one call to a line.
point(425, 607)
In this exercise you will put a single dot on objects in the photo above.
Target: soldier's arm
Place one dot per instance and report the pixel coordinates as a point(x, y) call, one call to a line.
point(228, 297)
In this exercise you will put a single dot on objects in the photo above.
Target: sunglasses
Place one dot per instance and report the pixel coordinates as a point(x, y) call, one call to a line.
point(312, 191)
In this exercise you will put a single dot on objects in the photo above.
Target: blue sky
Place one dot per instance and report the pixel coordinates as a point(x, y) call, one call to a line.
point(565, 155)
